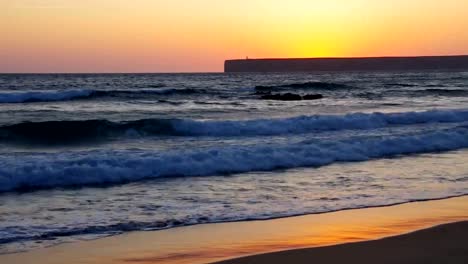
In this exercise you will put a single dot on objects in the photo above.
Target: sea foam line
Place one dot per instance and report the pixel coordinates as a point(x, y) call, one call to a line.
point(306, 124)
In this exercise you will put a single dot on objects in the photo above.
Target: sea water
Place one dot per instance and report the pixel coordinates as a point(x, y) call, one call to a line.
point(88, 156)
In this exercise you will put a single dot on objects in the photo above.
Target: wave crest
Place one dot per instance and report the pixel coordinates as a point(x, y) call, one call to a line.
point(71, 131)
point(76, 169)
point(43, 96)
point(67, 95)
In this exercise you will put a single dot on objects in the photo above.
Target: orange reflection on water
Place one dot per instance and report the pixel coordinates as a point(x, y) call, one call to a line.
point(226, 241)
point(215, 242)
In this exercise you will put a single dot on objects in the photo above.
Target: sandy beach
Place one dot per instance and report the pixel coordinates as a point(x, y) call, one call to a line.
point(441, 244)
point(216, 242)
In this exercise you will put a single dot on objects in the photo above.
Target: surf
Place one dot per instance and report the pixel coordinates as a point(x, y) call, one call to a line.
point(82, 131)
point(88, 168)
point(77, 94)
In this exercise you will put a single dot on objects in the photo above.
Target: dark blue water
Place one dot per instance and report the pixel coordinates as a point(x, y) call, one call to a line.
point(87, 156)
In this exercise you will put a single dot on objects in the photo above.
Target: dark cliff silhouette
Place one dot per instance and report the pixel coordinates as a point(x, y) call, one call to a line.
point(349, 64)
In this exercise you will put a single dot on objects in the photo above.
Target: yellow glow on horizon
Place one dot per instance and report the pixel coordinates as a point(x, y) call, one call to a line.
point(186, 35)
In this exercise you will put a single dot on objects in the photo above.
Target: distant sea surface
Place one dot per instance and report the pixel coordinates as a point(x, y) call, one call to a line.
point(89, 156)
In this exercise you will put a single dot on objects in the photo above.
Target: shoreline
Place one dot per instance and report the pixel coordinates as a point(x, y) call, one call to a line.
point(208, 243)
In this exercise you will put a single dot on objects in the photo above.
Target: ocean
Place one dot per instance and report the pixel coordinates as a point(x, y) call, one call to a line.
point(88, 156)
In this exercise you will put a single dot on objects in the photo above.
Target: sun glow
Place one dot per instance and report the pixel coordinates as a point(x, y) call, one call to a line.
point(182, 35)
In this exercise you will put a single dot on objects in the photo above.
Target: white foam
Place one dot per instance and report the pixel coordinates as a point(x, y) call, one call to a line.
point(103, 167)
point(306, 124)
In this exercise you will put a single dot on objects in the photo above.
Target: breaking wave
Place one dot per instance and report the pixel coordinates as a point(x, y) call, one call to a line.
point(88, 130)
point(99, 167)
point(67, 95)
point(43, 96)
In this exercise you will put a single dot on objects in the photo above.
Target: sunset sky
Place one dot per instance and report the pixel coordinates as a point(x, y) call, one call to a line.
point(198, 35)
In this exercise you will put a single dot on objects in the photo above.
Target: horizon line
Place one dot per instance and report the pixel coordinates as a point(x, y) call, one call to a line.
point(226, 60)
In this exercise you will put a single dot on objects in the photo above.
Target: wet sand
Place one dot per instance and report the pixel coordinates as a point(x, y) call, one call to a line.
point(215, 242)
point(442, 244)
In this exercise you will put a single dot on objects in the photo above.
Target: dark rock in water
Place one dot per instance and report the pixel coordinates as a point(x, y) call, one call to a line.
point(291, 97)
point(316, 85)
point(400, 84)
point(312, 97)
point(282, 97)
point(307, 85)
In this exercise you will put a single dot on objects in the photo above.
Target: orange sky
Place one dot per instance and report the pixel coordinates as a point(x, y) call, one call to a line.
point(198, 35)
